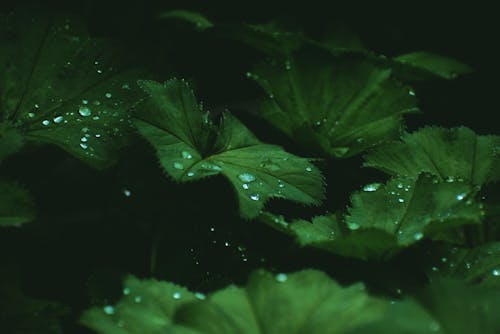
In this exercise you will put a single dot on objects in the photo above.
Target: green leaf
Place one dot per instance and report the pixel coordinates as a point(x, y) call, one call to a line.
point(340, 105)
point(479, 265)
point(428, 64)
point(16, 205)
point(304, 302)
point(197, 19)
point(11, 141)
point(450, 154)
point(383, 219)
point(60, 86)
point(190, 147)
point(463, 309)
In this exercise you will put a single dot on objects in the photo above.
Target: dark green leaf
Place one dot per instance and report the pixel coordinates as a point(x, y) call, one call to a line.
point(16, 205)
point(340, 105)
point(450, 154)
point(191, 147)
point(383, 219)
point(62, 87)
point(431, 64)
point(197, 19)
point(11, 141)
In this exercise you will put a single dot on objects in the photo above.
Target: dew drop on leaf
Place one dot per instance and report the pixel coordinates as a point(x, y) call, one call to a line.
point(308, 169)
point(495, 272)
point(190, 174)
point(401, 200)
point(255, 197)
point(84, 146)
point(58, 119)
point(178, 165)
point(84, 111)
point(126, 291)
point(281, 277)
point(176, 295)
point(186, 155)
point(246, 177)
point(109, 310)
point(138, 299)
point(199, 295)
point(418, 236)
point(353, 226)
point(371, 187)
point(461, 196)
point(245, 186)
point(127, 193)
point(108, 95)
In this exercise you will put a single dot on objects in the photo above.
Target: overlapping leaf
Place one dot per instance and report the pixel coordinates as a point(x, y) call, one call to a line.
point(383, 219)
point(302, 302)
point(60, 86)
point(16, 204)
point(447, 153)
point(189, 147)
point(341, 105)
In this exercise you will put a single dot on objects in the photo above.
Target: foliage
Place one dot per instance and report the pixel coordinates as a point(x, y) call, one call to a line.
point(408, 244)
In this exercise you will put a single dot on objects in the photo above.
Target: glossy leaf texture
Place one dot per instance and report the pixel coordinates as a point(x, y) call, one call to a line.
point(190, 147)
point(339, 105)
point(385, 219)
point(450, 154)
point(16, 205)
point(61, 86)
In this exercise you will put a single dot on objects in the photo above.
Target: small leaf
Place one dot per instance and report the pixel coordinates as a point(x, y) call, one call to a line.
point(450, 154)
point(197, 19)
point(62, 87)
point(190, 147)
point(341, 105)
point(432, 64)
point(383, 220)
point(16, 205)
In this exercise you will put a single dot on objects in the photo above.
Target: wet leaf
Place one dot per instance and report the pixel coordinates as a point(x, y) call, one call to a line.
point(340, 105)
point(190, 147)
point(62, 87)
point(450, 154)
point(424, 64)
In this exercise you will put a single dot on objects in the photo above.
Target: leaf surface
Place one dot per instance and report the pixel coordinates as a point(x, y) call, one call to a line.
point(16, 204)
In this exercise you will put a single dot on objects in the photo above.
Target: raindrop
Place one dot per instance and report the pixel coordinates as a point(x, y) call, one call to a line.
point(495, 272)
point(127, 193)
point(281, 184)
point(308, 169)
point(450, 179)
point(281, 277)
point(46, 122)
point(58, 119)
point(84, 111)
point(199, 295)
point(288, 66)
point(353, 226)
point(31, 114)
point(176, 295)
point(138, 299)
point(95, 118)
point(186, 155)
point(84, 139)
point(401, 200)
point(97, 135)
point(84, 146)
point(246, 177)
point(255, 197)
point(109, 310)
point(245, 186)
point(178, 165)
point(108, 95)
point(461, 196)
point(190, 174)
point(400, 186)
point(126, 291)
point(371, 187)
point(85, 102)
point(417, 236)
point(227, 244)
point(411, 92)
point(125, 86)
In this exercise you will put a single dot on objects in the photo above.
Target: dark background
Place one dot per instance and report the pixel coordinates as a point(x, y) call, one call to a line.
point(88, 234)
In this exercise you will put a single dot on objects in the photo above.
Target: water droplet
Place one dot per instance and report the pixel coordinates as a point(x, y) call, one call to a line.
point(281, 277)
point(308, 169)
point(84, 139)
point(127, 193)
point(227, 244)
point(400, 185)
point(31, 114)
point(46, 122)
point(401, 200)
point(84, 111)
point(95, 118)
point(190, 174)
point(246, 177)
point(186, 155)
point(435, 269)
point(58, 119)
point(449, 179)
point(418, 235)
point(352, 226)
point(461, 196)
point(371, 187)
point(97, 135)
point(125, 86)
point(138, 299)
point(85, 102)
point(245, 186)
point(281, 184)
point(126, 291)
point(108, 95)
point(176, 295)
point(109, 310)
point(255, 197)
point(495, 272)
point(288, 66)
point(199, 295)
point(411, 92)
point(178, 165)
point(84, 146)
point(212, 229)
